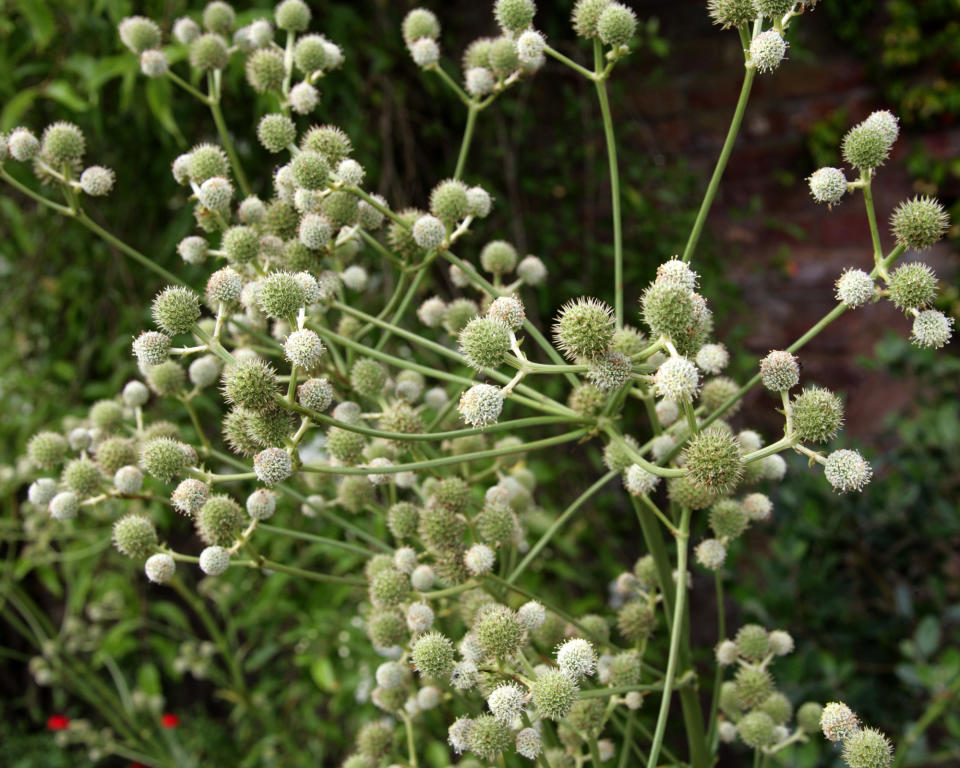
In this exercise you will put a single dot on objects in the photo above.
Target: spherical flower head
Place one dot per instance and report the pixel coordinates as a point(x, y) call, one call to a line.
point(135, 394)
point(310, 170)
point(712, 358)
point(532, 270)
point(528, 743)
point(507, 310)
point(488, 737)
point(448, 201)
point(432, 656)
point(931, 329)
point(272, 466)
point(638, 481)
point(23, 145)
point(498, 257)
point(577, 658)
point(209, 52)
point(711, 554)
point(303, 98)
point(718, 391)
point(420, 23)
point(250, 384)
point(190, 496)
point(219, 521)
point(315, 230)
point(781, 642)
point(281, 295)
point(886, 122)
point(215, 194)
point(530, 46)
point(669, 309)
point(225, 284)
point(553, 694)
point(847, 470)
point(610, 371)
point(304, 349)
point(315, 394)
point(160, 568)
point(828, 185)
point(779, 371)
point(506, 702)
point(164, 458)
point(531, 615)
point(677, 379)
point(586, 16)
point(767, 50)
point(261, 504)
point(134, 536)
point(422, 577)
point(713, 458)
point(458, 733)
point(499, 633)
point(502, 55)
point(855, 287)
point(41, 491)
point(139, 33)
point(47, 449)
point(214, 560)
point(374, 740)
point(292, 15)
point(514, 15)
point(912, 286)
point(584, 328)
point(80, 439)
point(97, 181)
point(153, 63)
point(425, 52)
point(808, 716)
point(919, 223)
point(193, 249)
point(838, 722)
point(616, 25)
point(753, 642)
point(479, 559)
point(757, 506)
point(479, 81)
point(355, 278)
point(756, 729)
point(865, 147)
point(732, 13)
point(752, 685)
point(276, 132)
point(726, 653)
point(128, 480)
point(429, 232)
point(817, 415)
point(64, 505)
point(419, 617)
point(186, 30)
point(368, 377)
point(219, 17)
point(484, 342)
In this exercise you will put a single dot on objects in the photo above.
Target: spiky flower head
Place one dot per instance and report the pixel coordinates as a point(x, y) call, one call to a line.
point(838, 722)
point(532, 270)
point(292, 15)
point(828, 185)
point(64, 505)
point(847, 470)
point(190, 496)
point(711, 554)
point(276, 132)
point(713, 458)
point(669, 309)
point(855, 287)
point(528, 743)
point(732, 13)
point(616, 25)
point(41, 491)
point(261, 504)
point(808, 716)
point(677, 379)
point(139, 33)
point(584, 328)
point(728, 520)
point(638, 481)
point(209, 52)
point(866, 147)
point(315, 394)
point(753, 642)
point(219, 521)
point(176, 309)
point(23, 145)
point(919, 223)
point(506, 702)
point(586, 16)
point(507, 310)
point(886, 122)
point(817, 414)
point(931, 329)
point(514, 15)
point(767, 50)
point(420, 23)
point(712, 358)
point(577, 658)
point(47, 449)
point(757, 729)
point(726, 653)
point(429, 232)
point(686, 492)
point(432, 656)
point(484, 342)
point(160, 568)
point(479, 559)
point(304, 349)
point(498, 257)
point(281, 295)
point(419, 617)
point(779, 371)
point(134, 536)
point(752, 686)
point(553, 694)
point(488, 737)
point(251, 384)
point(757, 506)
point(912, 286)
point(214, 560)
point(165, 458)
point(97, 181)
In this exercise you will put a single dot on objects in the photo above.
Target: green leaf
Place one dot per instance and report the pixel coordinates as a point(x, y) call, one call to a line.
point(323, 674)
point(927, 636)
point(14, 109)
point(40, 19)
point(62, 92)
point(148, 679)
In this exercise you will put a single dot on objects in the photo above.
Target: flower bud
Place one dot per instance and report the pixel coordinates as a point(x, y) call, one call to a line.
point(756, 729)
point(912, 286)
point(767, 50)
point(214, 560)
point(847, 470)
point(97, 181)
point(808, 716)
point(865, 147)
point(139, 33)
point(190, 496)
point(160, 568)
point(584, 328)
point(209, 52)
point(432, 656)
point(931, 329)
point(134, 536)
point(484, 342)
point(479, 81)
point(64, 505)
point(448, 201)
point(23, 145)
point(817, 415)
point(186, 30)
point(586, 16)
point(429, 232)
point(292, 15)
point(828, 185)
point(532, 270)
point(276, 132)
point(553, 694)
point(420, 23)
point(128, 480)
point(219, 17)
point(711, 554)
point(154, 63)
point(732, 13)
point(728, 519)
point(917, 223)
point(617, 25)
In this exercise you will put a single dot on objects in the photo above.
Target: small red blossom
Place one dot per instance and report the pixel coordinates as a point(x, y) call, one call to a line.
point(169, 720)
point(57, 722)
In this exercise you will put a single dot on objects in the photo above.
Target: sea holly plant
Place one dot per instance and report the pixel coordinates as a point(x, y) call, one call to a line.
point(402, 417)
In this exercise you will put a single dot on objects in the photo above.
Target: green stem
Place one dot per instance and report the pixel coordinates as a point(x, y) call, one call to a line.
point(557, 524)
point(312, 537)
point(405, 303)
point(176, 79)
point(552, 52)
point(718, 675)
point(472, 111)
point(443, 461)
point(601, 86)
point(865, 177)
point(678, 612)
point(270, 565)
point(214, 100)
point(721, 164)
point(454, 86)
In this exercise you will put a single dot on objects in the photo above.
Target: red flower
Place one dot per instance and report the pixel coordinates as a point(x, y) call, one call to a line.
point(169, 720)
point(57, 722)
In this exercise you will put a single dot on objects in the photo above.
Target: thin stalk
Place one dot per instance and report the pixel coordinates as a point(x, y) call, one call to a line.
point(472, 111)
point(313, 538)
point(405, 303)
point(601, 85)
point(721, 164)
point(179, 81)
point(718, 675)
point(554, 53)
point(454, 86)
point(865, 177)
point(675, 632)
point(557, 524)
point(214, 101)
point(443, 461)
point(270, 565)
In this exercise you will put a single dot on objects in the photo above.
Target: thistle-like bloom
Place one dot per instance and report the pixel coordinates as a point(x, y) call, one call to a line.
point(847, 470)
